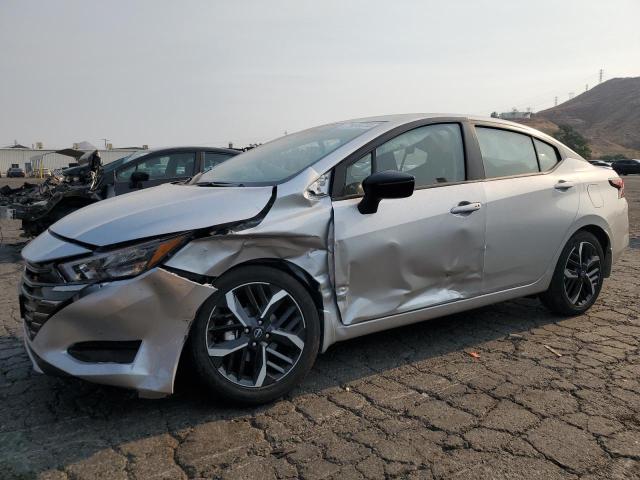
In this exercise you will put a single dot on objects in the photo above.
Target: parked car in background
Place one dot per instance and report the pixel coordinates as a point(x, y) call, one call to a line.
point(625, 167)
point(317, 237)
point(90, 182)
point(40, 173)
point(600, 163)
point(148, 168)
point(15, 172)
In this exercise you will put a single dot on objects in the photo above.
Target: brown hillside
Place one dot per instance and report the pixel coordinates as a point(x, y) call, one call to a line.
point(608, 115)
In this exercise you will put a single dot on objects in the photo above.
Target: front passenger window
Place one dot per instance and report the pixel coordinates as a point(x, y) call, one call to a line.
point(173, 165)
point(432, 154)
point(356, 173)
point(211, 159)
point(125, 173)
point(506, 153)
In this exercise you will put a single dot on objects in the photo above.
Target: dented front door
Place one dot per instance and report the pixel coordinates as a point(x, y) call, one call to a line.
point(413, 253)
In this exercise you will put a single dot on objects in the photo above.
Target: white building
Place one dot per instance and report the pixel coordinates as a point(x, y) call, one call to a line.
point(50, 159)
point(515, 115)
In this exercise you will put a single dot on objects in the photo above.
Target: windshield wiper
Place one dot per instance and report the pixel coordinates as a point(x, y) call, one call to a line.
point(219, 184)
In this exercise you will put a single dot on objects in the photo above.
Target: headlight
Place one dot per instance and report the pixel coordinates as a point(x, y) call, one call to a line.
point(121, 263)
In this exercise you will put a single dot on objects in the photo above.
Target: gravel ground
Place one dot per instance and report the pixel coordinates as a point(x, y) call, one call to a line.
point(409, 403)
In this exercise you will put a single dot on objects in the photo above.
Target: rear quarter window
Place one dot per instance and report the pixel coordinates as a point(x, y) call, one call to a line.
point(547, 155)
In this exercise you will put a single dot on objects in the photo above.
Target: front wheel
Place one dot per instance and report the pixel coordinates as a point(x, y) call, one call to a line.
point(257, 336)
point(577, 279)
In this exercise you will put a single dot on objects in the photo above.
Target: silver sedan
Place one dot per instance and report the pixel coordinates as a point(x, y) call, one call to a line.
point(327, 234)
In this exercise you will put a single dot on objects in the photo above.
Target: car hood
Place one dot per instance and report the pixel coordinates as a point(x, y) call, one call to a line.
point(161, 210)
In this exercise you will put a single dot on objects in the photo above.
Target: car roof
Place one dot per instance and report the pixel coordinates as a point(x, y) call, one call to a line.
point(190, 148)
point(403, 118)
point(388, 123)
point(395, 120)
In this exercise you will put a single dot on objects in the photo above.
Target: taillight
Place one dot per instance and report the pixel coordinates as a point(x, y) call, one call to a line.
point(619, 184)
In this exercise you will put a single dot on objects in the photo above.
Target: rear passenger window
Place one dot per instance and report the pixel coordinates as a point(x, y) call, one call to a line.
point(547, 155)
point(506, 153)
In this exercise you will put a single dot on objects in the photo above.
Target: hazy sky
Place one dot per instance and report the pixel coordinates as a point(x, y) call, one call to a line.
point(210, 72)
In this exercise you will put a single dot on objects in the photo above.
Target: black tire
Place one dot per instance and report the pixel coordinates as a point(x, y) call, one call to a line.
point(219, 378)
point(556, 298)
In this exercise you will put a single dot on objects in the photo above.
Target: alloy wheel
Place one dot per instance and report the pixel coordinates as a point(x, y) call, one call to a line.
point(582, 274)
point(255, 334)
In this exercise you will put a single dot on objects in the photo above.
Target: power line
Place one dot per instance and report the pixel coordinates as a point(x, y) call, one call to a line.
point(541, 101)
point(545, 98)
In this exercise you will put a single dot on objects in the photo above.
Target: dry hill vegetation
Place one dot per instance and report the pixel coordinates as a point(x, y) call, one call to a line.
point(608, 115)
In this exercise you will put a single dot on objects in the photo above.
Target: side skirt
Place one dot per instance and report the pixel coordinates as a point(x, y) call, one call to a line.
point(346, 332)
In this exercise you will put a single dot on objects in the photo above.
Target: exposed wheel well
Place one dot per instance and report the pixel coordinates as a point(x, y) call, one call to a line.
point(603, 238)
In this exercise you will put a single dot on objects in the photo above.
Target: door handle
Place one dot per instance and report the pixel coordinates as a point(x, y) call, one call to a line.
point(466, 207)
point(563, 185)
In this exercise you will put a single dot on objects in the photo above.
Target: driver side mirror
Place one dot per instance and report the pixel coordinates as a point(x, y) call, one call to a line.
point(137, 178)
point(387, 184)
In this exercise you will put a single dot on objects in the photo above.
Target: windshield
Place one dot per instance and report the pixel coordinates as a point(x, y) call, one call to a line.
point(122, 160)
point(117, 162)
point(285, 157)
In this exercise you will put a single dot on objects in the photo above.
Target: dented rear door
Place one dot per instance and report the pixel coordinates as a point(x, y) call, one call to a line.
point(413, 253)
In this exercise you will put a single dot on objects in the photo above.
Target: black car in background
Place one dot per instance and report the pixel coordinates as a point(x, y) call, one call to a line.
point(15, 172)
point(89, 182)
point(600, 163)
point(625, 167)
point(148, 168)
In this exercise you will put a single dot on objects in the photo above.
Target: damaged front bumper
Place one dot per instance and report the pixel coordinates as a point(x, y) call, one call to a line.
point(127, 333)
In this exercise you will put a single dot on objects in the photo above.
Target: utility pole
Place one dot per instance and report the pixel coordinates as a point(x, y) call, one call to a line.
point(600, 75)
point(105, 142)
point(555, 101)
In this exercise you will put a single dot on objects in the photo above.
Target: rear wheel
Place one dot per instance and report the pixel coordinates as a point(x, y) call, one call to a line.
point(577, 279)
point(257, 337)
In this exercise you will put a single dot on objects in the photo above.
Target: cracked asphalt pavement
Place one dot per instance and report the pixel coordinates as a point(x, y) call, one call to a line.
point(544, 398)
